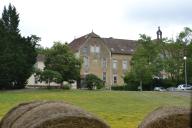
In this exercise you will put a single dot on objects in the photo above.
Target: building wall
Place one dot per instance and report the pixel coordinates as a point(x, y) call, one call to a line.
point(95, 59)
point(32, 81)
point(95, 62)
point(120, 72)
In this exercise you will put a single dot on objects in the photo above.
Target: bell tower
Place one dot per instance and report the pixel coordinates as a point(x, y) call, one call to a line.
point(159, 34)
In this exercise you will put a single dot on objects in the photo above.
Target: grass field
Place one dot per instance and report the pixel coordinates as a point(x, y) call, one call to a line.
point(119, 109)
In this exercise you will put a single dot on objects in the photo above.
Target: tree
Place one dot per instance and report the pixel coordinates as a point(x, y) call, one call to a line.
point(48, 76)
point(92, 81)
point(10, 19)
point(189, 63)
point(17, 54)
point(59, 58)
point(146, 62)
point(173, 53)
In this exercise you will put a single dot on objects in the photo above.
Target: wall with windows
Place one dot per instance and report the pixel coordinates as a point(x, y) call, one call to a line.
point(96, 59)
point(120, 65)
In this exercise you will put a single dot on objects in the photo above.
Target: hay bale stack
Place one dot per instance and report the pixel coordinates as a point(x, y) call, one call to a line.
point(168, 117)
point(50, 114)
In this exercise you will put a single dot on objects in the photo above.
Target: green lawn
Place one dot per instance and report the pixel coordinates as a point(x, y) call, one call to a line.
point(119, 109)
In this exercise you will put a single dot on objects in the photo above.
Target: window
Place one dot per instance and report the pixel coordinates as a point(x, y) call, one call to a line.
point(124, 64)
point(115, 79)
point(92, 49)
point(95, 49)
point(104, 76)
point(104, 63)
point(85, 50)
point(85, 61)
point(114, 64)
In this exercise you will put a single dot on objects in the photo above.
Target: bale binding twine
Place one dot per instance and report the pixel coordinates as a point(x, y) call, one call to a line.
point(50, 114)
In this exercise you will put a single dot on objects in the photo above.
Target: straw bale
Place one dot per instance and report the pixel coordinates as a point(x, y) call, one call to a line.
point(50, 114)
point(168, 117)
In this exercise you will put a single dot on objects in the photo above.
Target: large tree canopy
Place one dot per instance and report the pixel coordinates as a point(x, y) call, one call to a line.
point(59, 58)
point(145, 61)
point(17, 53)
point(162, 58)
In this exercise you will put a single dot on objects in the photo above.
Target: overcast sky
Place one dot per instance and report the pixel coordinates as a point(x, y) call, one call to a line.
point(64, 20)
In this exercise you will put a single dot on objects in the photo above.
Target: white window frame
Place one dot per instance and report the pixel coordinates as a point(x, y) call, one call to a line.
point(85, 61)
point(104, 75)
point(124, 64)
point(92, 49)
point(95, 49)
point(115, 64)
point(115, 75)
point(85, 50)
point(104, 63)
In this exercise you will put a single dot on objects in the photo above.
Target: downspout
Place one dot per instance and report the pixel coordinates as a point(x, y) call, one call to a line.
point(110, 57)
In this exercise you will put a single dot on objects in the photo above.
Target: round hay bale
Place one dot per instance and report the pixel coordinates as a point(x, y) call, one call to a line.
point(168, 117)
point(50, 114)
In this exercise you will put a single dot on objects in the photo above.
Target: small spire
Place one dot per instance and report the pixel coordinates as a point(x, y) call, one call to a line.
point(159, 33)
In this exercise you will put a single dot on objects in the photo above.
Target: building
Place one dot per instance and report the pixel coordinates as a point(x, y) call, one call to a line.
point(33, 80)
point(108, 58)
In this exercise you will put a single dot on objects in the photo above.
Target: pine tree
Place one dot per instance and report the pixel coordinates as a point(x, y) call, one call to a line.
point(17, 53)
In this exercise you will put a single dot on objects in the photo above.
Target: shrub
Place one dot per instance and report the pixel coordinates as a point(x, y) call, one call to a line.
point(168, 83)
point(92, 81)
point(117, 87)
point(129, 87)
point(66, 87)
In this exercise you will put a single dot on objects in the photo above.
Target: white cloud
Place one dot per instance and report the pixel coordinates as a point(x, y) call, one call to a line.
point(65, 19)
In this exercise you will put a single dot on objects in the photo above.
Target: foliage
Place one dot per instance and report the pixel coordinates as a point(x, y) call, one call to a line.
point(168, 83)
point(59, 58)
point(173, 53)
point(189, 62)
point(119, 109)
point(160, 58)
point(48, 76)
point(17, 53)
point(66, 87)
point(146, 62)
point(92, 81)
point(130, 87)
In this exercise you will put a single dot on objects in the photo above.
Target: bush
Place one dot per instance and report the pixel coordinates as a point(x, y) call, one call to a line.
point(92, 81)
point(130, 87)
point(117, 87)
point(66, 87)
point(168, 83)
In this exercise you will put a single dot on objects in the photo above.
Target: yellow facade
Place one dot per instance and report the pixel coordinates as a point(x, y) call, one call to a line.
point(100, 62)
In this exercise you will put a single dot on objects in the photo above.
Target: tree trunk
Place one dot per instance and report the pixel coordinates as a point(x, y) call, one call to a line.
point(49, 84)
point(61, 85)
point(141, 85)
